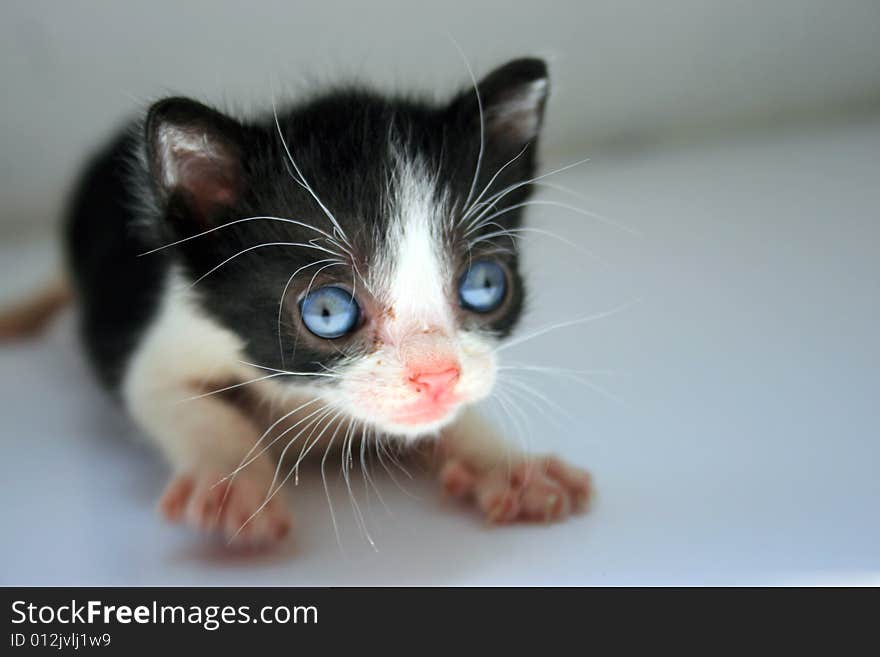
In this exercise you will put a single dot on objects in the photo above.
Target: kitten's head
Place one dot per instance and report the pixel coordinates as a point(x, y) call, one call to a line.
point(359, 241)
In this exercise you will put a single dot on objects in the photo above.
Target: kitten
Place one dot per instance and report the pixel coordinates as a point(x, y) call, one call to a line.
point(255, 291)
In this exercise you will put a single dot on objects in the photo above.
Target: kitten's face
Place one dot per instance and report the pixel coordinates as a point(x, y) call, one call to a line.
point(379, 275)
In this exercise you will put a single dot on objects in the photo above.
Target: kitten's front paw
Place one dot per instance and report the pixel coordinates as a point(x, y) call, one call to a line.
point(201, 500)
point(536, 489)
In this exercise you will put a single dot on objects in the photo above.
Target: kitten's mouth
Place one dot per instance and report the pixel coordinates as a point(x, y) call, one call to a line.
point(426, 412)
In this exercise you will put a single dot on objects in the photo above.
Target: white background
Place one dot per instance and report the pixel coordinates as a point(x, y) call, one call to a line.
point(737, 138)
point(625, 72)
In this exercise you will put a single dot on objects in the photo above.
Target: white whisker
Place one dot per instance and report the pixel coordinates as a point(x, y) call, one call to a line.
point(513, 233)
point(497, 196)
point(238, 221)
point(269, 495)
point(571, 322)
point(530, 393)
point(245, 462)
point(346, 473)
point(304, 182)
point(284, 294)
point(308, 289)
point(364, 465)
point(272, 369)
point(520, 426)
point(231, 387)
point(327, 488)
point(575, 375)
point(555, 204)
point(482, 122)
point(260, 246)
point(380, 448)
point(555, 370)
point(314, 424)
point(471, 207)
point(248, 459)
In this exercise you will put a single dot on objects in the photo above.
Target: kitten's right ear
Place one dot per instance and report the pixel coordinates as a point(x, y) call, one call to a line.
point(194, 155)
point(512, 99)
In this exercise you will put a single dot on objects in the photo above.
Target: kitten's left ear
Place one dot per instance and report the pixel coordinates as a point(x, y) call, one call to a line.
point(513, 98)
point(194, 155)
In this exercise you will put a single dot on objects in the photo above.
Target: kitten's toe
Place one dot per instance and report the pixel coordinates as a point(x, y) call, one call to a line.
point(173, 502)
point(203, 509)
point(577, 482)
point(497, 499)
point(249, 519)
point(457, 479)
point(534, 490)
point(235, 508)
point(544, 500)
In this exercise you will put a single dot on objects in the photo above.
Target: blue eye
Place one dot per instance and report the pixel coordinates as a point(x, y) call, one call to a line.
point(482, 287)
point(329, 312)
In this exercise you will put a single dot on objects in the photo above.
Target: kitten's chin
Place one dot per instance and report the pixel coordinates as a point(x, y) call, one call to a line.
point(419, 422)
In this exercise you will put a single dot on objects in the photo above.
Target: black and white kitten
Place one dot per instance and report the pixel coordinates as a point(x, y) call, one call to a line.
point(338, 271)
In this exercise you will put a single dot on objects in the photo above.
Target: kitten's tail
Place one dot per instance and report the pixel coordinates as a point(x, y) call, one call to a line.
point(28, 317)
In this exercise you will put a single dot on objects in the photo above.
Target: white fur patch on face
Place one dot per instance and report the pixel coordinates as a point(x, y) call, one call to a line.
point(413, 272)
point(423, 368)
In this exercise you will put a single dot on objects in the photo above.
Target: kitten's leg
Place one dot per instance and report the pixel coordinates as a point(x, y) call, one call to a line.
point(476, 464)
point(204, 440)
point(182, 356)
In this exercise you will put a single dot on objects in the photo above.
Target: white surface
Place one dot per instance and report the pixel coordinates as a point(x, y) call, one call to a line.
point(621, 69)
point(747, 450)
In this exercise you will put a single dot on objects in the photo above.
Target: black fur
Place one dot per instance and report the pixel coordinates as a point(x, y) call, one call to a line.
point(124, 208)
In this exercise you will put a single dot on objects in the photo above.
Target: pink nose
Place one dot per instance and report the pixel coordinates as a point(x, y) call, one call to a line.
point(435, 383)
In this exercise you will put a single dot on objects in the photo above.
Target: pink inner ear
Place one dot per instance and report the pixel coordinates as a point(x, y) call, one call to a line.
point(204, 167)
point(209, 182)
point(516, 115)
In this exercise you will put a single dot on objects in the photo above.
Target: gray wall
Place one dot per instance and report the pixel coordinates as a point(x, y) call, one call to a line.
point(624, 71)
